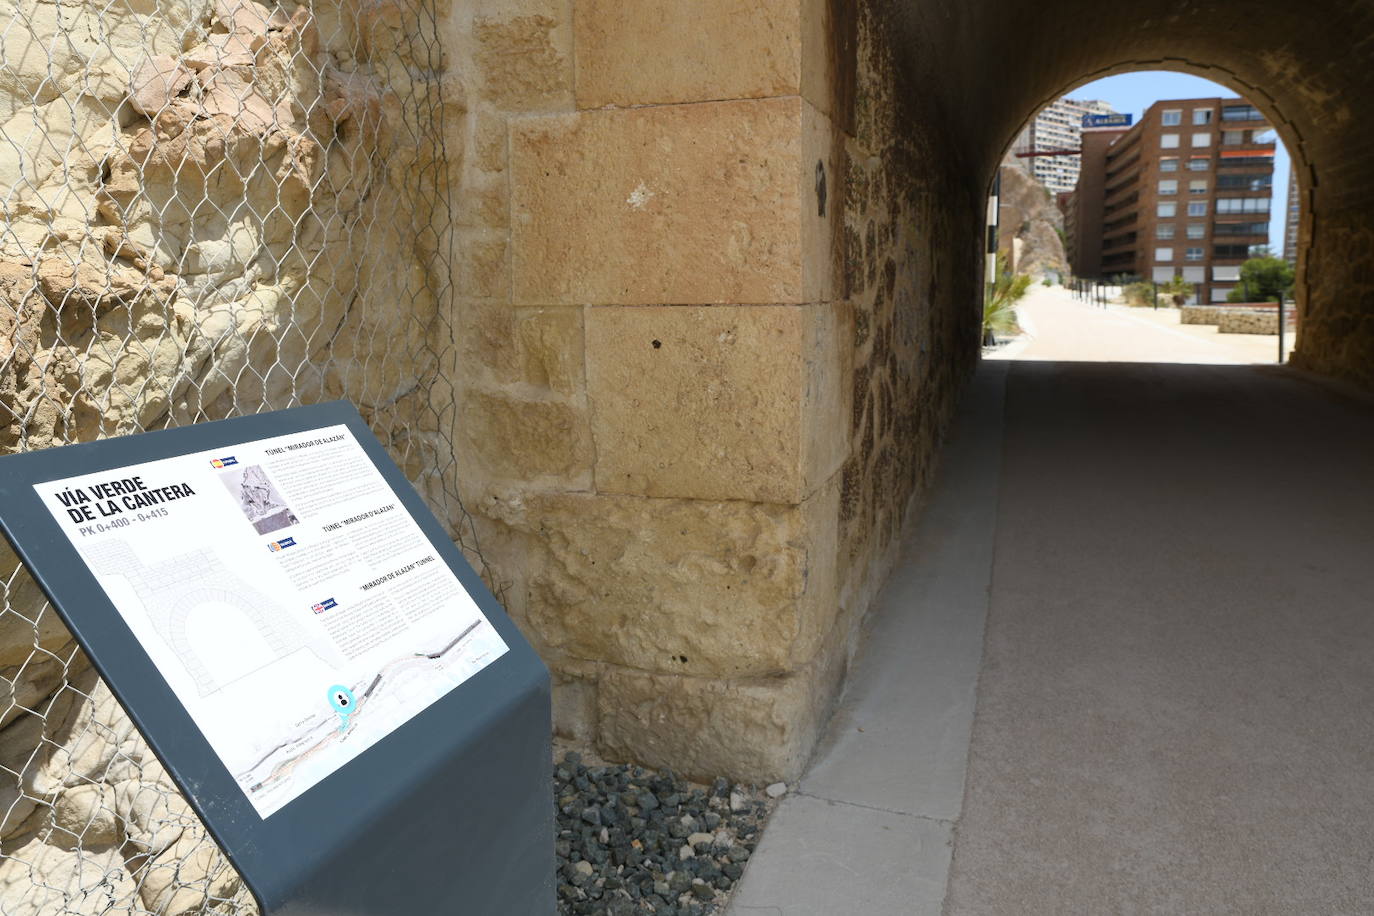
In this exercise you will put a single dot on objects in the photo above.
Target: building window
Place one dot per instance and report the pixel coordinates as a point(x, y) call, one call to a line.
point(1197, 230)
point(1230, 252)
point(1240, 229)
point(1193, 254)
point(1197, 208)
point(1265, 160)
point(1164, 230)
point(1202, 116)
point(1168, 186)
point(1199, 164)
point(1202, 139)
point(1168, 164)
point(1232, 137)
point(1164, 254)
point(1228, 274)
point(1167, 210)
point(1241, 113)
point(1220, 293)
point(1243, 205)
point(1245, 182)
point(1171, 117)
point(1168, 141)
point(1162, 274)
point(1197, 186)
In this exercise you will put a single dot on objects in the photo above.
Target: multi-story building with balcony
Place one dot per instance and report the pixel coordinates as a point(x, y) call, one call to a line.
point(1186, 191)
point(1056, 128)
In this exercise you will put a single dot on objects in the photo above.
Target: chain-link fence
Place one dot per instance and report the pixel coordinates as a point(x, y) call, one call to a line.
point(210, 208)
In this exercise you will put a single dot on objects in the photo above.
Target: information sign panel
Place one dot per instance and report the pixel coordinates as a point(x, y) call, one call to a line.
point(304, 648)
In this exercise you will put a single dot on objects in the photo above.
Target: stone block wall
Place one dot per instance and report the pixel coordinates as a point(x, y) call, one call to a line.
point(701, 387)
point(1248, 321)
point(1239, 319)
point(1200, 314)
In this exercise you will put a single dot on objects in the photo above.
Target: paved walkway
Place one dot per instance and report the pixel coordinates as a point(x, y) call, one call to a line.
point(1175, 699)
point(1059, 327)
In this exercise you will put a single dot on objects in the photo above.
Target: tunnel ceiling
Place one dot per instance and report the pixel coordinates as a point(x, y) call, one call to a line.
point(992, 64)
point(978, 69)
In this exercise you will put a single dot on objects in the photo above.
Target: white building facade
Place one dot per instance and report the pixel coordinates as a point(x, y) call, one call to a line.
point(1058, 126)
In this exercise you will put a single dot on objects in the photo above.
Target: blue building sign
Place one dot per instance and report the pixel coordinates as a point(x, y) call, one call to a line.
point(1108, 120)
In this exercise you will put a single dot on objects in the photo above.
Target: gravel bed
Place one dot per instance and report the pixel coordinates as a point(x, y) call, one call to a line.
point(633, 840)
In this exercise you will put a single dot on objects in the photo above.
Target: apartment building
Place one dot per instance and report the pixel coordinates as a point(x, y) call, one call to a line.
point(1056, 127)
point(1186, 191)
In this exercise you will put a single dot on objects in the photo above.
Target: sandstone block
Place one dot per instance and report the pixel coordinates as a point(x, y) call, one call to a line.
point(530, 440)
point(489, 142)
point(550, 346)
point(526, 61)
point(717, 403)
point(655, 52)
point(710, 589)
point(483, 207)
point(756, 730)
point(674, 204)
point(482, 268)
point(574, 709)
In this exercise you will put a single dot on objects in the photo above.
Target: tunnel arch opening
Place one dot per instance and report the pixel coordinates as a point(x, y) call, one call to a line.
point(1213, 177)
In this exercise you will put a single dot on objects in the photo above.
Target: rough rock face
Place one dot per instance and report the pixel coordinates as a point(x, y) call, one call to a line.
point(1030, 217)
point(207, 208)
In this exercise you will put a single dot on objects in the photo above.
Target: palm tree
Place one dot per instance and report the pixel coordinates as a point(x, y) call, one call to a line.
point(999, 306)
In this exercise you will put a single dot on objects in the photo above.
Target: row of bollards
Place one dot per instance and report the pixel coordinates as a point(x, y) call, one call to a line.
point(1093, 291)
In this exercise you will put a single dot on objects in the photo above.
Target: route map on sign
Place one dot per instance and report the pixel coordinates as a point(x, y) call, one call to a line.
point(291, 602)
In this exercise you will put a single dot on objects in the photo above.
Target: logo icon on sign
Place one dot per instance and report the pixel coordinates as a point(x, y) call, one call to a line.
point(344, 703)
point(324, 605)
point(223, 462)
point(279, 546)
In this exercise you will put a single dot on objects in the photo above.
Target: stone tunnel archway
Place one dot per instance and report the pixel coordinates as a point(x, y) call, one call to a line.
point(991, 65)
point(1302, 170)
point(700, 402)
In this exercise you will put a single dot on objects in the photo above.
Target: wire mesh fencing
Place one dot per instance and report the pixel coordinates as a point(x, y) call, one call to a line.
point(210, 208)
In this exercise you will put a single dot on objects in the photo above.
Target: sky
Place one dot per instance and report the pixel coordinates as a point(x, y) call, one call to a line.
point(1132, 93)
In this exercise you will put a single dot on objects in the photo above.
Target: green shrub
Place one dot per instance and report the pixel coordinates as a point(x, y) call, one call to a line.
point(1262, 279)
point(1139, 294)
point(999, 306)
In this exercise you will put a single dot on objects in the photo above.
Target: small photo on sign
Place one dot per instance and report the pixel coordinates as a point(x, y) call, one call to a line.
point(258, 499)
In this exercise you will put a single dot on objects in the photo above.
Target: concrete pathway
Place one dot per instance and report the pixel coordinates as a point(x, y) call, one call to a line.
point(1060, 327)
point(869, 828)
point(1175, 711)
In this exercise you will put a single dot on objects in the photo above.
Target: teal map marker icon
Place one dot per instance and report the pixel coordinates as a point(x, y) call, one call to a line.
point(343, 701)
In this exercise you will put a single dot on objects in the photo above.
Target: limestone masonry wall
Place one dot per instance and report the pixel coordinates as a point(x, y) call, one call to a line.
point(701, 385)
point(1238, 319)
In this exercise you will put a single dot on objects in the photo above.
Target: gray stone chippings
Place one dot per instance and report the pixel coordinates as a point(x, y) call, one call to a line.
point(634, 841)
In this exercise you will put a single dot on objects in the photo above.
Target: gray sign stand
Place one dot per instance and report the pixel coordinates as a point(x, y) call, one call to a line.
point(450, 814)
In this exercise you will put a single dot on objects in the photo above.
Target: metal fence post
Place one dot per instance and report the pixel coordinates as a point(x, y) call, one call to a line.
point(1281, 328)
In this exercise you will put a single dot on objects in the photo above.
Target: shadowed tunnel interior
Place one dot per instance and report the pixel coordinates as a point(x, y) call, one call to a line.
point(976, 71)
